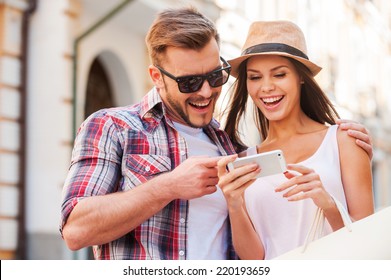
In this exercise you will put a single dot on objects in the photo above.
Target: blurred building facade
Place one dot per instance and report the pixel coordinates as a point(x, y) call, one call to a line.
point(60, 60)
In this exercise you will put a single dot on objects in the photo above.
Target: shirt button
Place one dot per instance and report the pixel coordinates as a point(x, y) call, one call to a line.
point(181, 253)
point(147, 168)
point(183, 153)
point(182, 220)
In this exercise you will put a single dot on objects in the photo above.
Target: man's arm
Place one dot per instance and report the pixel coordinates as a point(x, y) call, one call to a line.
point(104, 218)
point(101, 219)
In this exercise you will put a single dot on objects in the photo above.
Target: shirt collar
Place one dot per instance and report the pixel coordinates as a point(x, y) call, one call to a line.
point(152, 105)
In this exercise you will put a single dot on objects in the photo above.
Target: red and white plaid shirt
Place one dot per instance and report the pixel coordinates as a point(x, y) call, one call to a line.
point(118, 149)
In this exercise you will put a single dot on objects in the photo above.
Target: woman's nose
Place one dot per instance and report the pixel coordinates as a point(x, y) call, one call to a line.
point(267, 86)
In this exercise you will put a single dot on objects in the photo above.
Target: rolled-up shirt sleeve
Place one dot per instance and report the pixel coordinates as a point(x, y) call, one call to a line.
point(95, 164)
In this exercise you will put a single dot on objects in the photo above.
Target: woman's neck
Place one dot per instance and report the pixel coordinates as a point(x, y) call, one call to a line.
point(289, 127)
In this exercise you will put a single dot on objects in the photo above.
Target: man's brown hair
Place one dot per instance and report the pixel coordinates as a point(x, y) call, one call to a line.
point(182, 28)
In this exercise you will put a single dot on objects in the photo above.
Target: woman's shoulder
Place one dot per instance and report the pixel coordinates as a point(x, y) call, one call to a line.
point(343, 136)
point(346, 143)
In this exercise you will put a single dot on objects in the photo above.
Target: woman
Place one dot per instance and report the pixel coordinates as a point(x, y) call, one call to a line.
point(272, 215)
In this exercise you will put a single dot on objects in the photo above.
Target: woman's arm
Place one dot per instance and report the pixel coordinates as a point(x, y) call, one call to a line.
point(356, 180)
point(356, 176)
point(246, 241)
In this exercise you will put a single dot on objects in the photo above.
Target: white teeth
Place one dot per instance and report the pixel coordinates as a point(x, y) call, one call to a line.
point(200, 104)
point(271, 99)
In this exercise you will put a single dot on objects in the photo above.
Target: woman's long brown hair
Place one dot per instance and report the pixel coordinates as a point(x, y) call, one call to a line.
point(313, 101)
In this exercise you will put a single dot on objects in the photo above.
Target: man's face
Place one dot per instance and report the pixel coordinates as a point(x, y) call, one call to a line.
point(193, 109)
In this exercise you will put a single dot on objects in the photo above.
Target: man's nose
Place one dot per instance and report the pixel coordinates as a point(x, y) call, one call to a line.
point(206, 90)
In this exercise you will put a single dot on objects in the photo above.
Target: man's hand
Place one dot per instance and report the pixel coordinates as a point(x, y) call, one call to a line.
point(358, 131)
point(195, 177)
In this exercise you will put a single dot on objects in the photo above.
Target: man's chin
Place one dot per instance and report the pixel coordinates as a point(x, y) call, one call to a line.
point(199, 124)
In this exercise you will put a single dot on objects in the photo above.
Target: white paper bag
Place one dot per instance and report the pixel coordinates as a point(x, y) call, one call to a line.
point(368, 238)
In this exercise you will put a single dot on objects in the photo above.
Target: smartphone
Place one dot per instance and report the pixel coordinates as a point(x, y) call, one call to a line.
point(271, 163)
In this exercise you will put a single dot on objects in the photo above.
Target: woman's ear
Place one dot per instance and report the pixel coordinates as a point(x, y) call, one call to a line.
point(156, 76)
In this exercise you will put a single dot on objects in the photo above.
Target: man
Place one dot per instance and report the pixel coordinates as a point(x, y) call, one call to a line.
point(142, 182)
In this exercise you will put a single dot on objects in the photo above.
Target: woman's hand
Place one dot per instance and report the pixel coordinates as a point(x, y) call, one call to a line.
point(305, 183)
point(233, 183)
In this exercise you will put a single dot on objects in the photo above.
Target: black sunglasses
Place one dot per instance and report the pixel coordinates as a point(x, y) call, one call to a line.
point(193, 83)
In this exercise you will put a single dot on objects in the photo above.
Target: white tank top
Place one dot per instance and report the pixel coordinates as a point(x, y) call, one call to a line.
point(283, 225)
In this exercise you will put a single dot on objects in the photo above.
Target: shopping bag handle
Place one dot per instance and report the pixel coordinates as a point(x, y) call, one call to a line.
point(317, 225)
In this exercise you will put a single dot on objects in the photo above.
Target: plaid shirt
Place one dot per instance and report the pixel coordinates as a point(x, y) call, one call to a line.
point(118, 149)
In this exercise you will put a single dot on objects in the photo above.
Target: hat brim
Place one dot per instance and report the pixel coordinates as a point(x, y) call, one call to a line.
point(235, 63)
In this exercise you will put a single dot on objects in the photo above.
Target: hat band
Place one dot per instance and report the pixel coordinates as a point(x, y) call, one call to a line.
point(274, 47)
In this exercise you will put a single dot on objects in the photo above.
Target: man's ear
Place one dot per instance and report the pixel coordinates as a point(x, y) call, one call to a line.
point(156, 76)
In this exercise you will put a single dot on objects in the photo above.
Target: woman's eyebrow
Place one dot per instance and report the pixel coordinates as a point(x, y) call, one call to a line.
point(272, 69)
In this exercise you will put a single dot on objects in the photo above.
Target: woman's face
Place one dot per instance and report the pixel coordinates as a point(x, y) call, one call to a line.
point(274, 85)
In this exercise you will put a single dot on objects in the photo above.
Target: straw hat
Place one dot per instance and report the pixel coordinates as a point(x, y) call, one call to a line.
point(277, 38)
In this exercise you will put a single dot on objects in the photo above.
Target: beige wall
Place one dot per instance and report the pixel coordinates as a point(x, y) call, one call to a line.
point(10, 126)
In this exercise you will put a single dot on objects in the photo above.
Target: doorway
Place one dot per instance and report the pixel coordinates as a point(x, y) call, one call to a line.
point(99, 90)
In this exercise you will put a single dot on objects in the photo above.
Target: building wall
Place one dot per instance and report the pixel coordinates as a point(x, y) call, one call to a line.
point(11, 146)
point(48, 126)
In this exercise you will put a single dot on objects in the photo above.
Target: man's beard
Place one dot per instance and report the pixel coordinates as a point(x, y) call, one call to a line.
point(176, 107)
